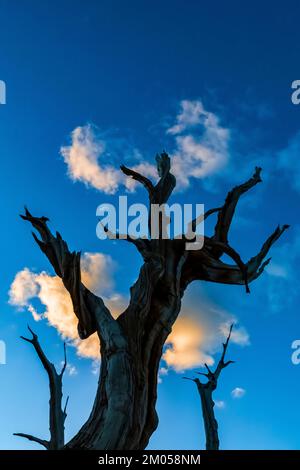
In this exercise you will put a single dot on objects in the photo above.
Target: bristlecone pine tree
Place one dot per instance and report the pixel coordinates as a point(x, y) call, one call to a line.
point(205, 391)
point(123, 415)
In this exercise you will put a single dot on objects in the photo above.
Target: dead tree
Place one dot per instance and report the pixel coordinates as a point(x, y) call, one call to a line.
point(123, 415)
point(205, 391)
point(57, 415)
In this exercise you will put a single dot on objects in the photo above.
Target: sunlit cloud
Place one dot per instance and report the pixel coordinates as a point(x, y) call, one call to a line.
point(84, 158)
point(185, 341)
point(97, 272)
point(198, 334)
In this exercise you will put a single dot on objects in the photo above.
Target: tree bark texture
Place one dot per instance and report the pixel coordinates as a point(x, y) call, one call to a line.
point(57, 415)
point(206, 391)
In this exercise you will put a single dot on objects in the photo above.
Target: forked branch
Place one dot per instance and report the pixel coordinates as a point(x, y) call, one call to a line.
point(205, 391)
point(160, 193)
point(57, 415)
point(213, 376)
point(205, 264)
point(90, 309)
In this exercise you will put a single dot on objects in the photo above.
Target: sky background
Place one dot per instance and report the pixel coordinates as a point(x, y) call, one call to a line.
point(211, 84)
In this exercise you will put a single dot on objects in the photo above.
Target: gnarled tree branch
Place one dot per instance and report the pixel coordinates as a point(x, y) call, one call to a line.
point(205, 391)
point(138, 177)
point(226, 213)
point(57, 415)
point(42, 442)
point(90, 309)
point(160, 193)
point(205, 264)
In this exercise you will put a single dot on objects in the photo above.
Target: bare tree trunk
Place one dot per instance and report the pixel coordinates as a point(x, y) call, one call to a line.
point(57, 415)
point(210, 422)
point(124, 407)
point(123, 414)
point(206, 396)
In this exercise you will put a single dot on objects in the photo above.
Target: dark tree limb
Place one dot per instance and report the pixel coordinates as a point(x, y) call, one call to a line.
point(227, 211)
point(205, 391)
point(42, 442)
point(206, 264)
point(143, 245)
point(67, 267)
point(222, 364)
point(200, 219)
point(228, 250)
point(57, 415)
point(160, 193)
point(138, 177)
point(216, 271)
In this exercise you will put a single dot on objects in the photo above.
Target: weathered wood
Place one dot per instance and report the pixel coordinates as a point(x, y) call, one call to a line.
point(123, 415)
point(57, 415)
point(205, 391)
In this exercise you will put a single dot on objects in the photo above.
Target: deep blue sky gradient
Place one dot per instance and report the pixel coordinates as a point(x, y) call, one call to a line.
point(125, 66)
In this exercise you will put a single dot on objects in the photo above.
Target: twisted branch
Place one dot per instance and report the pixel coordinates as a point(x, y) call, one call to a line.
point(227, 211)
point(57, 416)
point(90, 309)
point(160, 193)
point(205, 391)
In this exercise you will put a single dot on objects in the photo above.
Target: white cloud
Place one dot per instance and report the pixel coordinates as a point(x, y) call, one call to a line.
point(277, 270)
point(238, 335)
point(23, 288)
point(146, 169)
point(199, 151)
point(84, 161)
point(238, 392)
point(70, 368)
point(95, 367)
point(162, 372)
point(220, 404)
point(189, 115)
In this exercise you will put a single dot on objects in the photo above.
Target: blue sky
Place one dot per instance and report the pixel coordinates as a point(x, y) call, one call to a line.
point(126, 69)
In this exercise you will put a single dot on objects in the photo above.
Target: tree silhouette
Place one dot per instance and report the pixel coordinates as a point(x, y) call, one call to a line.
point(57, 415)
point(123, 415)
point(206, 396)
